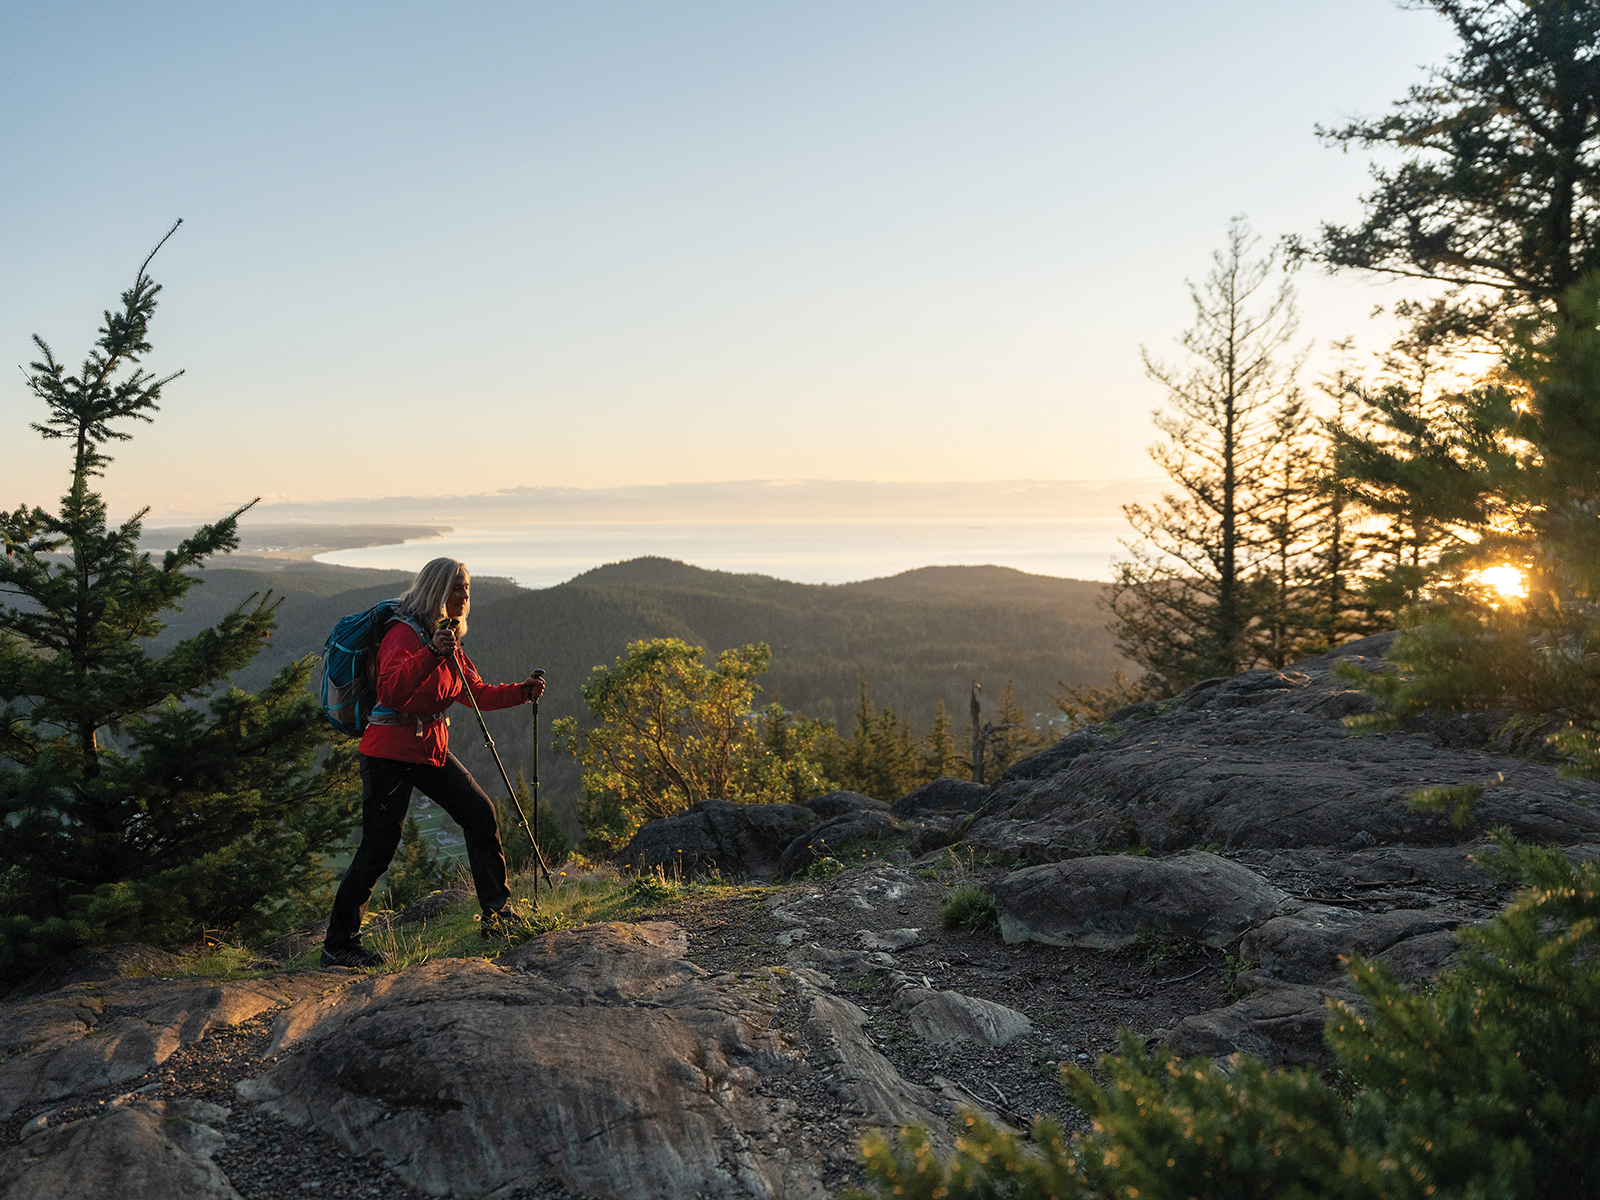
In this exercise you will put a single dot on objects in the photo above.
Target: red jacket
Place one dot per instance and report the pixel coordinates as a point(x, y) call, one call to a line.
point(413, 679)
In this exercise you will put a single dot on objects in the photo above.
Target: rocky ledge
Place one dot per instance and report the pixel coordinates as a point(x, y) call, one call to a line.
point(1195, 870)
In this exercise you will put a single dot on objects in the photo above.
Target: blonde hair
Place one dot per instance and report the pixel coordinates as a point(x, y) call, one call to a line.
point(424, 600)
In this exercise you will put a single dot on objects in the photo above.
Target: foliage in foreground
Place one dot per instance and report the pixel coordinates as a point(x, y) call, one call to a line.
point(1485, 1084)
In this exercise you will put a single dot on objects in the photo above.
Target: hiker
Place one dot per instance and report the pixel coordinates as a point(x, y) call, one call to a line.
point(406, 745)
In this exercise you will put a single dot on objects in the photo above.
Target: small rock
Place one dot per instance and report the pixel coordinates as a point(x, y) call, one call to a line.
point(952, 1017)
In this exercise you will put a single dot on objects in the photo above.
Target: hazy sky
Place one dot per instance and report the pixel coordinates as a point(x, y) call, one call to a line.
point(457, 248)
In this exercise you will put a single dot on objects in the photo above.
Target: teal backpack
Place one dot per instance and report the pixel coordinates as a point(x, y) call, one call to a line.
point(349, 666)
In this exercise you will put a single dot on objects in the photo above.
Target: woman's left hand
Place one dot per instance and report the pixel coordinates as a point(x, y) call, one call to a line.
point(535, 686)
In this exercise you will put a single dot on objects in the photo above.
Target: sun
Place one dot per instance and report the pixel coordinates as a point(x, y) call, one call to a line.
point(1508, 581)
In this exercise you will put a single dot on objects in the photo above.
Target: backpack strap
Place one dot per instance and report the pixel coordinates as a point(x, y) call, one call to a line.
point(383, 715)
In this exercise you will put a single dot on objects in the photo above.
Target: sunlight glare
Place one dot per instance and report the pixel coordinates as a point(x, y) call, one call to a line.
point(1507, 581)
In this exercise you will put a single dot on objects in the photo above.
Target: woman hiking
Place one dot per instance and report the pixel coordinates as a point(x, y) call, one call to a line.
point(407, 745)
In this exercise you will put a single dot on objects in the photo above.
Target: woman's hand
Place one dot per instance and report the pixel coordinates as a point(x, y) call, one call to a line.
point(534, 686)
point(445, 642)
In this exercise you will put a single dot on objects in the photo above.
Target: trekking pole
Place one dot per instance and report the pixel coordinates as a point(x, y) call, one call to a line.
point(488, 741)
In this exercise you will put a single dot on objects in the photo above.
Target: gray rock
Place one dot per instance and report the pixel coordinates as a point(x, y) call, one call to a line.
point(947, 1017)
point(1261, 761)
point(1305, 946)
point(895, 939)
point(1279, 1023)
point(599, 1059)
point(837, 804)
point(942, 795)
point(744, 841)
point(834, 838)
point(1108, 901)
point(86, 1037)
point(138, 1150)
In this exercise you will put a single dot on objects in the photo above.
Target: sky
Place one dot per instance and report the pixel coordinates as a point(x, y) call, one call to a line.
point(457, 249)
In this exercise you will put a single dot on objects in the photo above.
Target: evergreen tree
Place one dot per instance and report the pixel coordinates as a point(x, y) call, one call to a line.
point(553, 841)
point(415, 871)
point(1181, 602)
point(1010, 737)
point(127, 810)
point(1285, 592)
point(1520, 465)
point(798, 745)
point(939, 756)
point(1497, 191)
point(1338, 553)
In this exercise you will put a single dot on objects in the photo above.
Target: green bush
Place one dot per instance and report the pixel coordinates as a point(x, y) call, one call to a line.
point(1485, 1084)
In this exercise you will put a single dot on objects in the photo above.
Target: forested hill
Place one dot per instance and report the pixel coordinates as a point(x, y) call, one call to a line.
point(916, 638)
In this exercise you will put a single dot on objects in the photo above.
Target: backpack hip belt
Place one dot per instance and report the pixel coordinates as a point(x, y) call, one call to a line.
point(382, 716)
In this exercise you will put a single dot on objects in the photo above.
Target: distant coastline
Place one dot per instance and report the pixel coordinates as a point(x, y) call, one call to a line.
point(818, 551)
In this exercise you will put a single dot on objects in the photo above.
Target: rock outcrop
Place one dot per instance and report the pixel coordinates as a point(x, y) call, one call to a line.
point(599, 1059)
point(832, 805)
point(942, 795)
point(91, 1036)
point(742, 841)
point(139, 1150)
point(838, 838)
point(1262, 761)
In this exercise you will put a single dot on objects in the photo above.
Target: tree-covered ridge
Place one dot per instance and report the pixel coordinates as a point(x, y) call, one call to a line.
point(918, 639)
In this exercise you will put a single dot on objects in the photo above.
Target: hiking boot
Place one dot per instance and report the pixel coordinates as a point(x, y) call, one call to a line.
point(351, 956)
point(504, 922)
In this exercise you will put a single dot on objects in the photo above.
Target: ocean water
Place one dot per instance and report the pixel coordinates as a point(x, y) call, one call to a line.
point(541, 555)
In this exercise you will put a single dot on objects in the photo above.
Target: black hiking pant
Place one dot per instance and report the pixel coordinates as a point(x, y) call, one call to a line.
point(386, 786)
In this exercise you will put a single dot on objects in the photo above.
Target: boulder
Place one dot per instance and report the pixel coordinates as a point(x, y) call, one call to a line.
point(836, 838)
point(946, 1017)
point(1108, 901)
point(1305, 946)
point(744, 841)
point(138, 1150)
point(1262, 761)
point(837, 804)
point(1280, 1023)
point(942, 795)
point(599, 1060)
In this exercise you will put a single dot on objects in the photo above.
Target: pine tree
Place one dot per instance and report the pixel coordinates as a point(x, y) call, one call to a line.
point(137, 801)
point(1011, 736)
point(939, 756)
point(1181, 601)
point(1497, 191)
point(1338, 553)
point(1284, 593)
point(415, 871)
point(554, 843)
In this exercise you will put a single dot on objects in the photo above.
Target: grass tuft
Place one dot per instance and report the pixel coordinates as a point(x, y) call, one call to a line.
point(970, 908)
